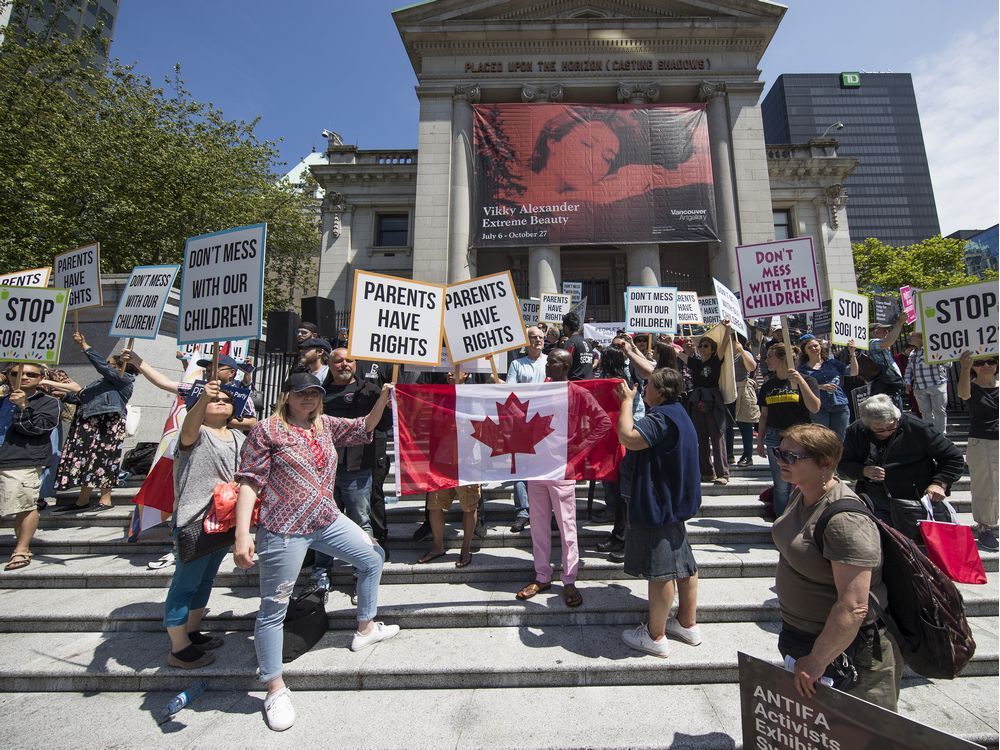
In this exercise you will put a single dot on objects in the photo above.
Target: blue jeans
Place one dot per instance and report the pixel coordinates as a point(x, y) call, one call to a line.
point(836, 418)
point(782, 489)
point(191, 585)
point(520, 499)
point(280, 559)
point(352, 491)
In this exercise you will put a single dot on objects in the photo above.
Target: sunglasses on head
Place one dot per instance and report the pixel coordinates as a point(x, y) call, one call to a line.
point(787, 457)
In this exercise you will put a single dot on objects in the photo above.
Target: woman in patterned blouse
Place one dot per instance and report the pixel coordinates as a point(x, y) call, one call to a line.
point(289, 463)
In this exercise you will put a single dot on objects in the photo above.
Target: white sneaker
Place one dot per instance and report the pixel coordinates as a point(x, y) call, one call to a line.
point(691, 636)
point(279, 710)
point(379, 632)
point(640, 640)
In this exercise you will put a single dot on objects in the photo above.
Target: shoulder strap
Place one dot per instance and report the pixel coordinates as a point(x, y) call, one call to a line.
point(847, 505)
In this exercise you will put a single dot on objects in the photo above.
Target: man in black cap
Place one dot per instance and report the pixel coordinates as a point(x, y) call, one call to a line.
point(348, 396)
point(306, 331)
point(313, 354)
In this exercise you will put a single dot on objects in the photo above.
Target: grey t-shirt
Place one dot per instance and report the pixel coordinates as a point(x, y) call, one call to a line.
point(199, 468)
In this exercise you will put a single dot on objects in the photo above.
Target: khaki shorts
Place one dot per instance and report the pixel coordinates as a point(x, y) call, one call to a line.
point(19, 490)
point(468, 498)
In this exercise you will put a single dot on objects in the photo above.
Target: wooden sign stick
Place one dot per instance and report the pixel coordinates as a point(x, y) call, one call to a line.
point(493, 366)
point(215, 360)
point(395, 373)
point(125, 358)
point(76, 321)
point(789, 357)
point(17, 377)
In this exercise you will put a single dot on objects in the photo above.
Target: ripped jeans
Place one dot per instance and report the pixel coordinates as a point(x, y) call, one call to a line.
point(280, 560)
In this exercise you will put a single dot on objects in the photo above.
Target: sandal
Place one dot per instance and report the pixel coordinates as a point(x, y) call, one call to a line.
point(18, 560)
point(572, 596)
point(463, 561)
point(430, 557)
point(532, 589)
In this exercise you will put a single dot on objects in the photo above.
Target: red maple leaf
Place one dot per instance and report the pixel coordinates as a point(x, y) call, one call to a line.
point(512, 433)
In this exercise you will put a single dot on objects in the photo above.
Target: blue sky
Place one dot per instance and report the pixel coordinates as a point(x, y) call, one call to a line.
point(306, 65)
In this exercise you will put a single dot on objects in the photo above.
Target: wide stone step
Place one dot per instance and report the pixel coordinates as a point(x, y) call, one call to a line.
point(434, 658)
point(677, 716)
point(429, 605)
point(64, 571)
point(86, 540)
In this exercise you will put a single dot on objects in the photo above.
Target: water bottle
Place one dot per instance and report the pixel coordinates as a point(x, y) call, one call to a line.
point(181, 700)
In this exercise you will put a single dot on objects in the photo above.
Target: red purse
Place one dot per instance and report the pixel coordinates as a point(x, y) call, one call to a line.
point(952, 547)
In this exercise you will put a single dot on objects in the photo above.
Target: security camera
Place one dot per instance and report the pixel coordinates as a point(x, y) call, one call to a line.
point(326, 133)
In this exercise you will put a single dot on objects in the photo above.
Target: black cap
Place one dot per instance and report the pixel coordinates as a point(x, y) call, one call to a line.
point(301, 381)
point(225, 361)
point(316, 343)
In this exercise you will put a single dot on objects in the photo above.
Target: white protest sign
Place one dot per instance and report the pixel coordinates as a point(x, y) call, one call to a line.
point(222, 286)
point(529, 311)
point(31, 324)
point(651, 309)
point(32, 277)
point(79, 272)
point(238, 349)
point(471, 366)
point(552, 307)
point(140, 306)
point(709, 311)
point(688, 309)
point(580, 308)
point(482, 316)
point(396, 320)
point(778, 278)
point(850, 319)
point(959, 319)
point(602, 333)
point(729, 307)
point(574, 289)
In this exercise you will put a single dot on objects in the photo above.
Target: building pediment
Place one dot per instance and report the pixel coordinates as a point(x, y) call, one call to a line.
point(457, 11)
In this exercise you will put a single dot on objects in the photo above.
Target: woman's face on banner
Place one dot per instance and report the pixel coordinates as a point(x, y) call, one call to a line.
point(584, 154)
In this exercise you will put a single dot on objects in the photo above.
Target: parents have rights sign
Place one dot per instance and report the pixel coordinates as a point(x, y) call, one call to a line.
point(482, 316)
point(396, 320)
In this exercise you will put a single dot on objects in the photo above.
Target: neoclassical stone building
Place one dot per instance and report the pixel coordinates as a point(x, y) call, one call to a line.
point(407, 213)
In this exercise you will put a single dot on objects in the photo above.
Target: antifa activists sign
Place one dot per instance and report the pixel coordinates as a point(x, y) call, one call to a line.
point(141, 305)
point(31, 324)
point(222, 286)
point(79, 272)
point(482, 317)
point(778, 278)
point(396, 320)
point(776, 717)
point(557, 174)
point(959, 319)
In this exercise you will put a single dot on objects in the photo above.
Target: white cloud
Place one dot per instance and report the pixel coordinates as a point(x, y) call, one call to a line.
point(957, 95)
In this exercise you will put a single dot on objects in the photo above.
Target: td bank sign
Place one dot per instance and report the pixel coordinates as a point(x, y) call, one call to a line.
point(850, 80)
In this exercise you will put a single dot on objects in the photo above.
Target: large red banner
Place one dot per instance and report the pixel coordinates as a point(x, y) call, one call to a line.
point(572, 174)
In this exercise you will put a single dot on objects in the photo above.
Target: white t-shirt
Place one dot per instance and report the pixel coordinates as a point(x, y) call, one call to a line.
point(527, 370)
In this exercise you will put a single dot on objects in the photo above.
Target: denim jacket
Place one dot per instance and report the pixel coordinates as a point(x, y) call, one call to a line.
point(109, 395)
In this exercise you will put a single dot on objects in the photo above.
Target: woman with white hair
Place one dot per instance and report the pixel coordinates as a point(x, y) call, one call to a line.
point(898, 459)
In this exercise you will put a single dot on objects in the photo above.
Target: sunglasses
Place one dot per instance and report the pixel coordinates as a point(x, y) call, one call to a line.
point(221, 400)
point(28, 374)
point(787, 457)
point(982, 362)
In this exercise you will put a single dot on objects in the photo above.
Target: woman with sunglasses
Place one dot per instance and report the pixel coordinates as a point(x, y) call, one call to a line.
point(977, 387)
point(786, 399)
point(289, 463)
point(824, 596)
point(706, 406)
point(898, 459)
point(207, 453)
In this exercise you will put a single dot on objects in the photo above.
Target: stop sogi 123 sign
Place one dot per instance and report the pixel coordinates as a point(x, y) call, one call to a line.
point(959, 319)
point(31, 324)
point(850, 318)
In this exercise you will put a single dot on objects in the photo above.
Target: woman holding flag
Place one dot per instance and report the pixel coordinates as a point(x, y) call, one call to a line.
point(289, 464)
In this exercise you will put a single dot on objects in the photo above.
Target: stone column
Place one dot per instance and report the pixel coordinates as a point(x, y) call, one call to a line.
point(544, 263)
point(643, 260)
point(723, 265)
point(544, 270)
point(460, 261)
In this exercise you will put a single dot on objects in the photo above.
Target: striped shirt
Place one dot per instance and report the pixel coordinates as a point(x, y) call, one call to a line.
point(294, 475)
point(923, 376)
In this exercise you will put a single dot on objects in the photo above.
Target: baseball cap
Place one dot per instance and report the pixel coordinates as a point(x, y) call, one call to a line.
point(301, 381)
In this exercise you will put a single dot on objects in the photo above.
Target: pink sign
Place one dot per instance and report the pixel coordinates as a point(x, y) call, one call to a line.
point(909, 304)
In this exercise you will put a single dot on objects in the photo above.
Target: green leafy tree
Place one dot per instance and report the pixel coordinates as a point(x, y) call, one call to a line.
point(935, 263)
point(104, 155)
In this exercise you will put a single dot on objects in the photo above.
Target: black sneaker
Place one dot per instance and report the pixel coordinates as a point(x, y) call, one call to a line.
point(988, 540)
point(611, 544)
point(520, 524)
point(617, 556)
point(745, 461)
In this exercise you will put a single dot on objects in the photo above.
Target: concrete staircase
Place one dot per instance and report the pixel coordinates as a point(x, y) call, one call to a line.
point(83, 662)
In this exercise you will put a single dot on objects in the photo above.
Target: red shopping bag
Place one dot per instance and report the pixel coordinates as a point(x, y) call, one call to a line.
point(952, 548)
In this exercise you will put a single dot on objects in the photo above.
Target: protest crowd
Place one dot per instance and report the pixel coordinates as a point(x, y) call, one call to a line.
point(308, 479)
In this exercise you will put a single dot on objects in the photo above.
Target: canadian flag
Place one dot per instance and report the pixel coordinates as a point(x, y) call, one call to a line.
point(448, 435)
